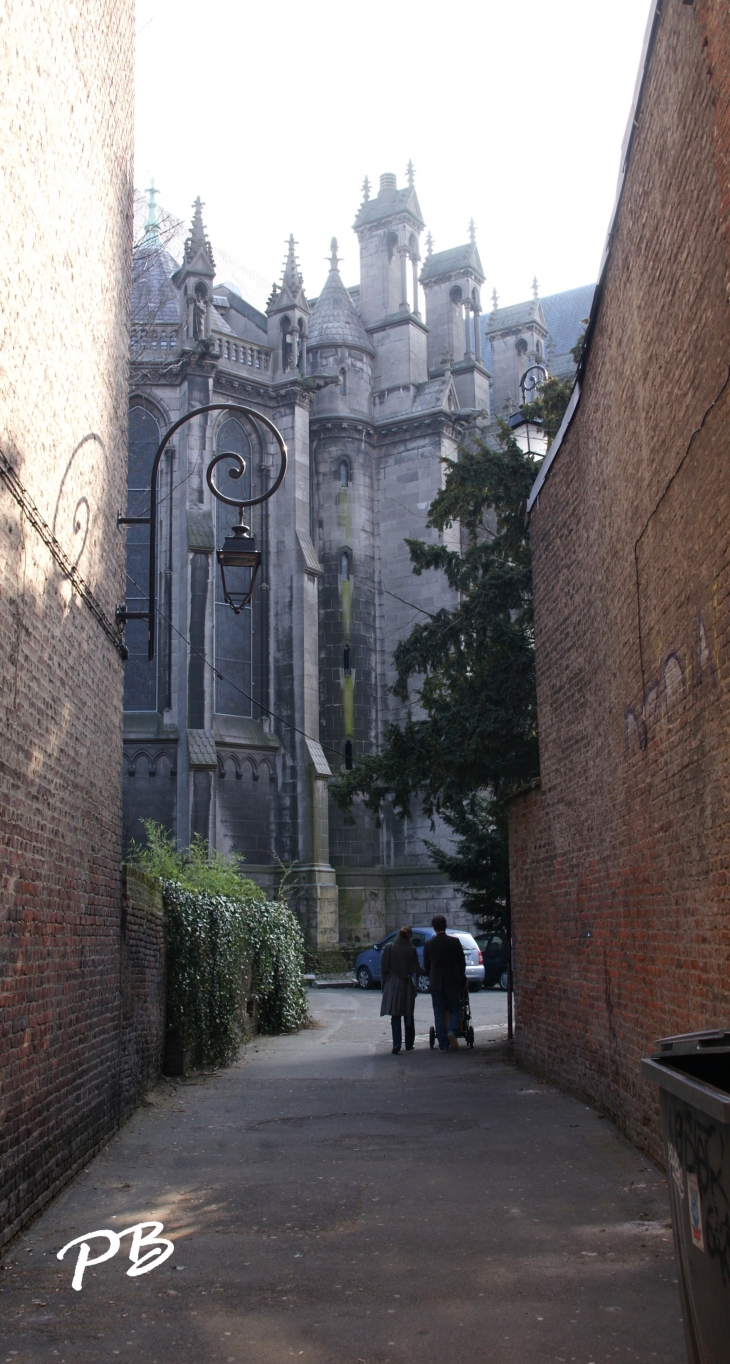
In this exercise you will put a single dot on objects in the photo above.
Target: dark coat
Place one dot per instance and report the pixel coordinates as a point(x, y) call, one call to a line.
point(397, 970)
point(445, 963)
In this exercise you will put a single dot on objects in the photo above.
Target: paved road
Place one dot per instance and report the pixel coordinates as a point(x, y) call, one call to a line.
point(334, 1204)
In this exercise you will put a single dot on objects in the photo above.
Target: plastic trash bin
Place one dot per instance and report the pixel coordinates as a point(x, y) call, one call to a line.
point(693, 1073)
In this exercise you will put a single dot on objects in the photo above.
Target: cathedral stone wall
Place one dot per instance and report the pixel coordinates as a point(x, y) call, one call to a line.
point(620, 858)
point(65, 240)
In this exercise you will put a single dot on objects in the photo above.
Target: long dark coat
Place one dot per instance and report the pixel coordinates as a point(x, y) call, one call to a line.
point(398, 968)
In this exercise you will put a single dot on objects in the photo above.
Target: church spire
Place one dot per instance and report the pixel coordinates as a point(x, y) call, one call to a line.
point(495, 298)
point(334, 262)
point(198, 242)
point(472, 231)
point(429, 245)
point(291, 278)
point(366, 190)
point(535, 294)
point(410, 174)
point(152, 226)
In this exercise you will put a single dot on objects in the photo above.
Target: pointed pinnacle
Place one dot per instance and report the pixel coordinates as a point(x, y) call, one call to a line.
point(534, 288)
point(365, 190)
point(334, 262)
point(410, 174)
point(152, 226)
point(472, 231)
point(495, 298)
point(429, 245)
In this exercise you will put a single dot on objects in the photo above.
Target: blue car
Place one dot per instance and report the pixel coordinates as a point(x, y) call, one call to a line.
point(367, 966)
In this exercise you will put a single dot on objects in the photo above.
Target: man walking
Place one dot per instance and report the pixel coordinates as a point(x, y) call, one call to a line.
point(444, 960)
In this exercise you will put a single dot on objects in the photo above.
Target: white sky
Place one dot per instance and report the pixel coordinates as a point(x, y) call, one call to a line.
point(274, 112)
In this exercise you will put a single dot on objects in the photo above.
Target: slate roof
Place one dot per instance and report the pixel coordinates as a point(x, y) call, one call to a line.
point(434, 393)
point(515, 316)
point(458, 259)
point(334, 321)
point(389, 203)
point(154, 298)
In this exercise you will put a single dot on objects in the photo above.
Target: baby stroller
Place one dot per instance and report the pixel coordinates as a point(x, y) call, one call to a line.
point(465, 1025)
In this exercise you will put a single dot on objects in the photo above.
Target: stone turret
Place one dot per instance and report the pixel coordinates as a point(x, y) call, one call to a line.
point(389, 229)
point(288, 314)
point(194, 279)
point(452, 282)
point(339, 344)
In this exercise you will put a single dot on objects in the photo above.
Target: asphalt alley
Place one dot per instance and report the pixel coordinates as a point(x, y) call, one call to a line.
point(331, 1203)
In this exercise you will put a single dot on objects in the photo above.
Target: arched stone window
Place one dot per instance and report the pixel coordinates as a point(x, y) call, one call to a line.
point(343, 381)
point(348, 756)
point(344, 473)
point(285, 326)
point(391, 242)
point(347, 660)
point(232, 633)
point(345, 565)
point(456, 295)
point(140, 676)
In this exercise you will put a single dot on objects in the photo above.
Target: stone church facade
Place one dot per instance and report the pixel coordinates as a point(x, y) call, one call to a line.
point(236, 727)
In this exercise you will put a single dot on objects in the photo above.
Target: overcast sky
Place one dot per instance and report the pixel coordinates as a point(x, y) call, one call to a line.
point(275, 111)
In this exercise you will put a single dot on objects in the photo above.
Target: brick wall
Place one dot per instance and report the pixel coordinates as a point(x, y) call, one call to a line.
point(620, 858)
point(65, 174)
point(142, 978)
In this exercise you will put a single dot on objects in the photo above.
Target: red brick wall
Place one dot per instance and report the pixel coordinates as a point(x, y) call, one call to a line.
point(142, 984)
point(620, 859)
point(65, 238)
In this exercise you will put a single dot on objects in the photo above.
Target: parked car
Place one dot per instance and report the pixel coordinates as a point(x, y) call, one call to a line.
point(367, 966)
point(493, 947)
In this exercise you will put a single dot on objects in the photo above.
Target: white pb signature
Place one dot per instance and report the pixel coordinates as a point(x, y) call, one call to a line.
point(160, 1249)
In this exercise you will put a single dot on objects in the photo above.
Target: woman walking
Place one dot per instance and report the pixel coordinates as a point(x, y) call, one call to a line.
point(399, 973)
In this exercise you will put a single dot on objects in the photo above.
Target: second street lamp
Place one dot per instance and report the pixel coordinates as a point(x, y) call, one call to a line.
point(238, 553)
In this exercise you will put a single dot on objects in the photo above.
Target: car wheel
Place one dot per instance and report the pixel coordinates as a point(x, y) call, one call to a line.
point(423, 984)
point(364, 978)
point(504, 981)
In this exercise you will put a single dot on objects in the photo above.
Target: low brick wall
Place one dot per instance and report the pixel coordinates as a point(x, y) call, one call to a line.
point(142, 985)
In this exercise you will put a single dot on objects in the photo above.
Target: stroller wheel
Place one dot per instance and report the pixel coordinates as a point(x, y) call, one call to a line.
point(470, 1037)
point(432, 1038)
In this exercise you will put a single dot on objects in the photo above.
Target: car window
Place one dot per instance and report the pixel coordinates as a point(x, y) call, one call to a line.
point(384, 941)
point(496, 945)
point(466, 941)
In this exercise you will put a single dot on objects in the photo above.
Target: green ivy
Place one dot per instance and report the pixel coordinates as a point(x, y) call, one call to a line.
point(225, 940)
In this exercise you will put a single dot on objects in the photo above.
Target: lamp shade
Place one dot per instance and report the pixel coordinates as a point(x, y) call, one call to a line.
point(531, 435)
point(240, 561)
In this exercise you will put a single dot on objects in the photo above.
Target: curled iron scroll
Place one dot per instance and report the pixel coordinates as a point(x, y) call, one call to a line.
point(239, 468)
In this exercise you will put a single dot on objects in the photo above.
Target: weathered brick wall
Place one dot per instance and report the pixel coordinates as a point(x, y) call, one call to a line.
point(142, 984)
point(620, 859)
point(65, 175)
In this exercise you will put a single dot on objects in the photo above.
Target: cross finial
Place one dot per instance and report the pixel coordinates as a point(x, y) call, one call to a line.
point(495, 298)
point(410, 174)
point(334, 262)
point(448, 360)
point(472, 231)
point(534, 288)
point(429, 245)
point(365, 190)
point(152, 226)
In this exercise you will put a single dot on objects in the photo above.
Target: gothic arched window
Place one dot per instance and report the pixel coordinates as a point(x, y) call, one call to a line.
point(347, 660)
point(232, 632)
point(344, 473)
point(343, 380)
point(348, 756)
point(345, 565)
point(285, 326)
point(140, 676)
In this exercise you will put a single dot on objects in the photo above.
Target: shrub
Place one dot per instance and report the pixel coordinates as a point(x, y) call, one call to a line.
point(224, 940)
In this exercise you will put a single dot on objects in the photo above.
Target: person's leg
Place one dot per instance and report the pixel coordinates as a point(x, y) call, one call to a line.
point(439, 1010)
point(397, 1034)
point(410, 1030)
point(454, 1008)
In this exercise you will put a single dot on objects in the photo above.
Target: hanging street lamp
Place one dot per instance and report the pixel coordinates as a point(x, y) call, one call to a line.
point(530, 433)
point(238, 556)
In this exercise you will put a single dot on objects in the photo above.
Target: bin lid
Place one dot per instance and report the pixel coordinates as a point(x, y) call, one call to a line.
point(693, 1043)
